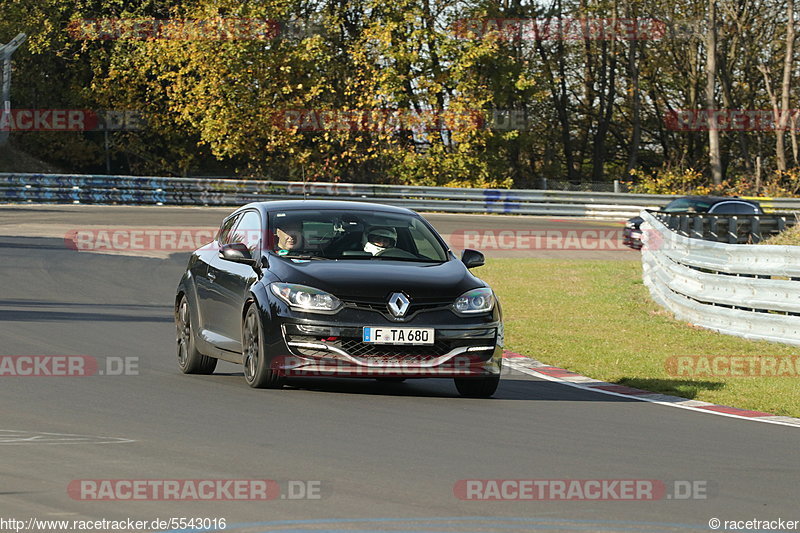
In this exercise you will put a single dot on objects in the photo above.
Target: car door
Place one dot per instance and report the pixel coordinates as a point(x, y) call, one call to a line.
point(230, 283)
point(206, 292)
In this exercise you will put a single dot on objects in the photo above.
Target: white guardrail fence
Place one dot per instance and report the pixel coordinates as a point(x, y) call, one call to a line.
point(748, 290)
point(142, 190)
point(135, 190)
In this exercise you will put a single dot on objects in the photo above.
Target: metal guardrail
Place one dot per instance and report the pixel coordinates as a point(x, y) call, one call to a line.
point(748, 290)
point(198, 191)
point(776, 204)
point(547, 184)
point(136, 190)
point(731, 229)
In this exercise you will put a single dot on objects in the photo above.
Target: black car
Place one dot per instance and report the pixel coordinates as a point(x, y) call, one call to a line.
point(348, 289)
point(716, 205)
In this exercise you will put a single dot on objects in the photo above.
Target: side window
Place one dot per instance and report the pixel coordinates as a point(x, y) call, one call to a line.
point(223, 236)
point(686, 205)
point(677, 206)
point(248, 231)
point(734, 208)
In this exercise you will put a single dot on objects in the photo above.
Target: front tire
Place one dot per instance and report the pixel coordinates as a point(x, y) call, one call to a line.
point(190, 360)
point(257, 372)
point(482, 387)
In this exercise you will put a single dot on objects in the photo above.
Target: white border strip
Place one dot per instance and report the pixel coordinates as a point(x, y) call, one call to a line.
point(680, 402)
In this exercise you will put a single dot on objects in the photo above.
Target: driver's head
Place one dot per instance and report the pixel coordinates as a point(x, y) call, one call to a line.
point(380, 238)
point(289, 235)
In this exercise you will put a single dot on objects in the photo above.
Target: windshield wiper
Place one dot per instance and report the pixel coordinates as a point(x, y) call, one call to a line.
point(303, 257)
point(406, 259)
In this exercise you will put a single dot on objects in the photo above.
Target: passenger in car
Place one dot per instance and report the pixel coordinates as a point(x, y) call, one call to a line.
point(288, 236)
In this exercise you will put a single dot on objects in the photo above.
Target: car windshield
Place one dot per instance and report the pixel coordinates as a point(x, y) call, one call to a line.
point(687, 205)
point(353, 235)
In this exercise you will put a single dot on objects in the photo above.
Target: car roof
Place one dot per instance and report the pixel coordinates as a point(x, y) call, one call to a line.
point(294, 205)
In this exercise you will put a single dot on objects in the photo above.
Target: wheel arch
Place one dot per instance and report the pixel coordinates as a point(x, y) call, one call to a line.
point(259, 297)
point(188, 289)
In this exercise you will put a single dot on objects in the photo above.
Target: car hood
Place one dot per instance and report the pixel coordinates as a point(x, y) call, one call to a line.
point(376, 280)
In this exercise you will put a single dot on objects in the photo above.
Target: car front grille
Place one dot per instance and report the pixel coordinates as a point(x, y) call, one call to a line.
point(357, 348)
point(417, 305)
point(315, 347)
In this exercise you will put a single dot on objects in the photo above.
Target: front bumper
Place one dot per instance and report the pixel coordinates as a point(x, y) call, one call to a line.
point(318, 345)
point(632, 237)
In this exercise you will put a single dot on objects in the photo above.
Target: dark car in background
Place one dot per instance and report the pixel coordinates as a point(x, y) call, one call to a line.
point(338, 289)
point(717, 205)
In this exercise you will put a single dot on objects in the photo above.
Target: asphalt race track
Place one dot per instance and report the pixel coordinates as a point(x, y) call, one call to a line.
point(379, 456)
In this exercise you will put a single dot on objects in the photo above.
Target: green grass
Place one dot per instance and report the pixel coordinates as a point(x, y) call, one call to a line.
point(596, 318)
point(790, 236)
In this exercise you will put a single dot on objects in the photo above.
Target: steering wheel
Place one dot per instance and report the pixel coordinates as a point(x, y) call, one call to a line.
point(396, 252)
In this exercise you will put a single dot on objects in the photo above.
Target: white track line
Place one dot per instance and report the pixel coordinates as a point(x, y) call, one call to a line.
point(678, 402)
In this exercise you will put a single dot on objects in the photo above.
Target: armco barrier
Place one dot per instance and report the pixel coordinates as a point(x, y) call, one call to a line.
point(748, 290)
point(93, 189)
point(731, 229)
point(135, 190)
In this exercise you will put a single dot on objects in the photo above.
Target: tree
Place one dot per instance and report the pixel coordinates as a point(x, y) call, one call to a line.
point(714, 156)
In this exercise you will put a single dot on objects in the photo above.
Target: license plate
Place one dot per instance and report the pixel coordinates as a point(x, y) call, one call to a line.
point(388, 335)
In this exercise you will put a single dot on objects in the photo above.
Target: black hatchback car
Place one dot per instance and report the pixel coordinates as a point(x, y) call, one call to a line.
point(715, 205)
point(328, 288)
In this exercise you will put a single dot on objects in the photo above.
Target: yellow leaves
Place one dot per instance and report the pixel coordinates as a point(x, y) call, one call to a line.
point(224, 94)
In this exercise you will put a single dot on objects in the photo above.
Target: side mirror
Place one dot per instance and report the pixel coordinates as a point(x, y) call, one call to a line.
point(472, 258)
point(237, 252)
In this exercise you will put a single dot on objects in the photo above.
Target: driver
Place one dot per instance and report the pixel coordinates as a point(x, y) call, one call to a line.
point(379, 239)
point(288, 236)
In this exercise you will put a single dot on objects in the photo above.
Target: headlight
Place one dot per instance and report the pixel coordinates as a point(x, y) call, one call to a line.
point(474, 301)
point(304, 298)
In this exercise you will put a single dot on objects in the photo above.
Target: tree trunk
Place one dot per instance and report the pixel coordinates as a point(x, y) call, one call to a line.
point(711, 75)
point(636, 104)
point(559, 92)
point(780, 150)
point(606, 109)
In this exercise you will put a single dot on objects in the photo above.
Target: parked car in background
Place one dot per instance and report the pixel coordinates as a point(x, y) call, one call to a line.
point(717, 205)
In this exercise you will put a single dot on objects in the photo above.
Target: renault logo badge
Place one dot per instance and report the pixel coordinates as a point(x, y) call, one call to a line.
point(398, 304)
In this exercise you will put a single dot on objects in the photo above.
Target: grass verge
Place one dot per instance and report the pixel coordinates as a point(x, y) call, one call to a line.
point(789, 237)
point(596, 318)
